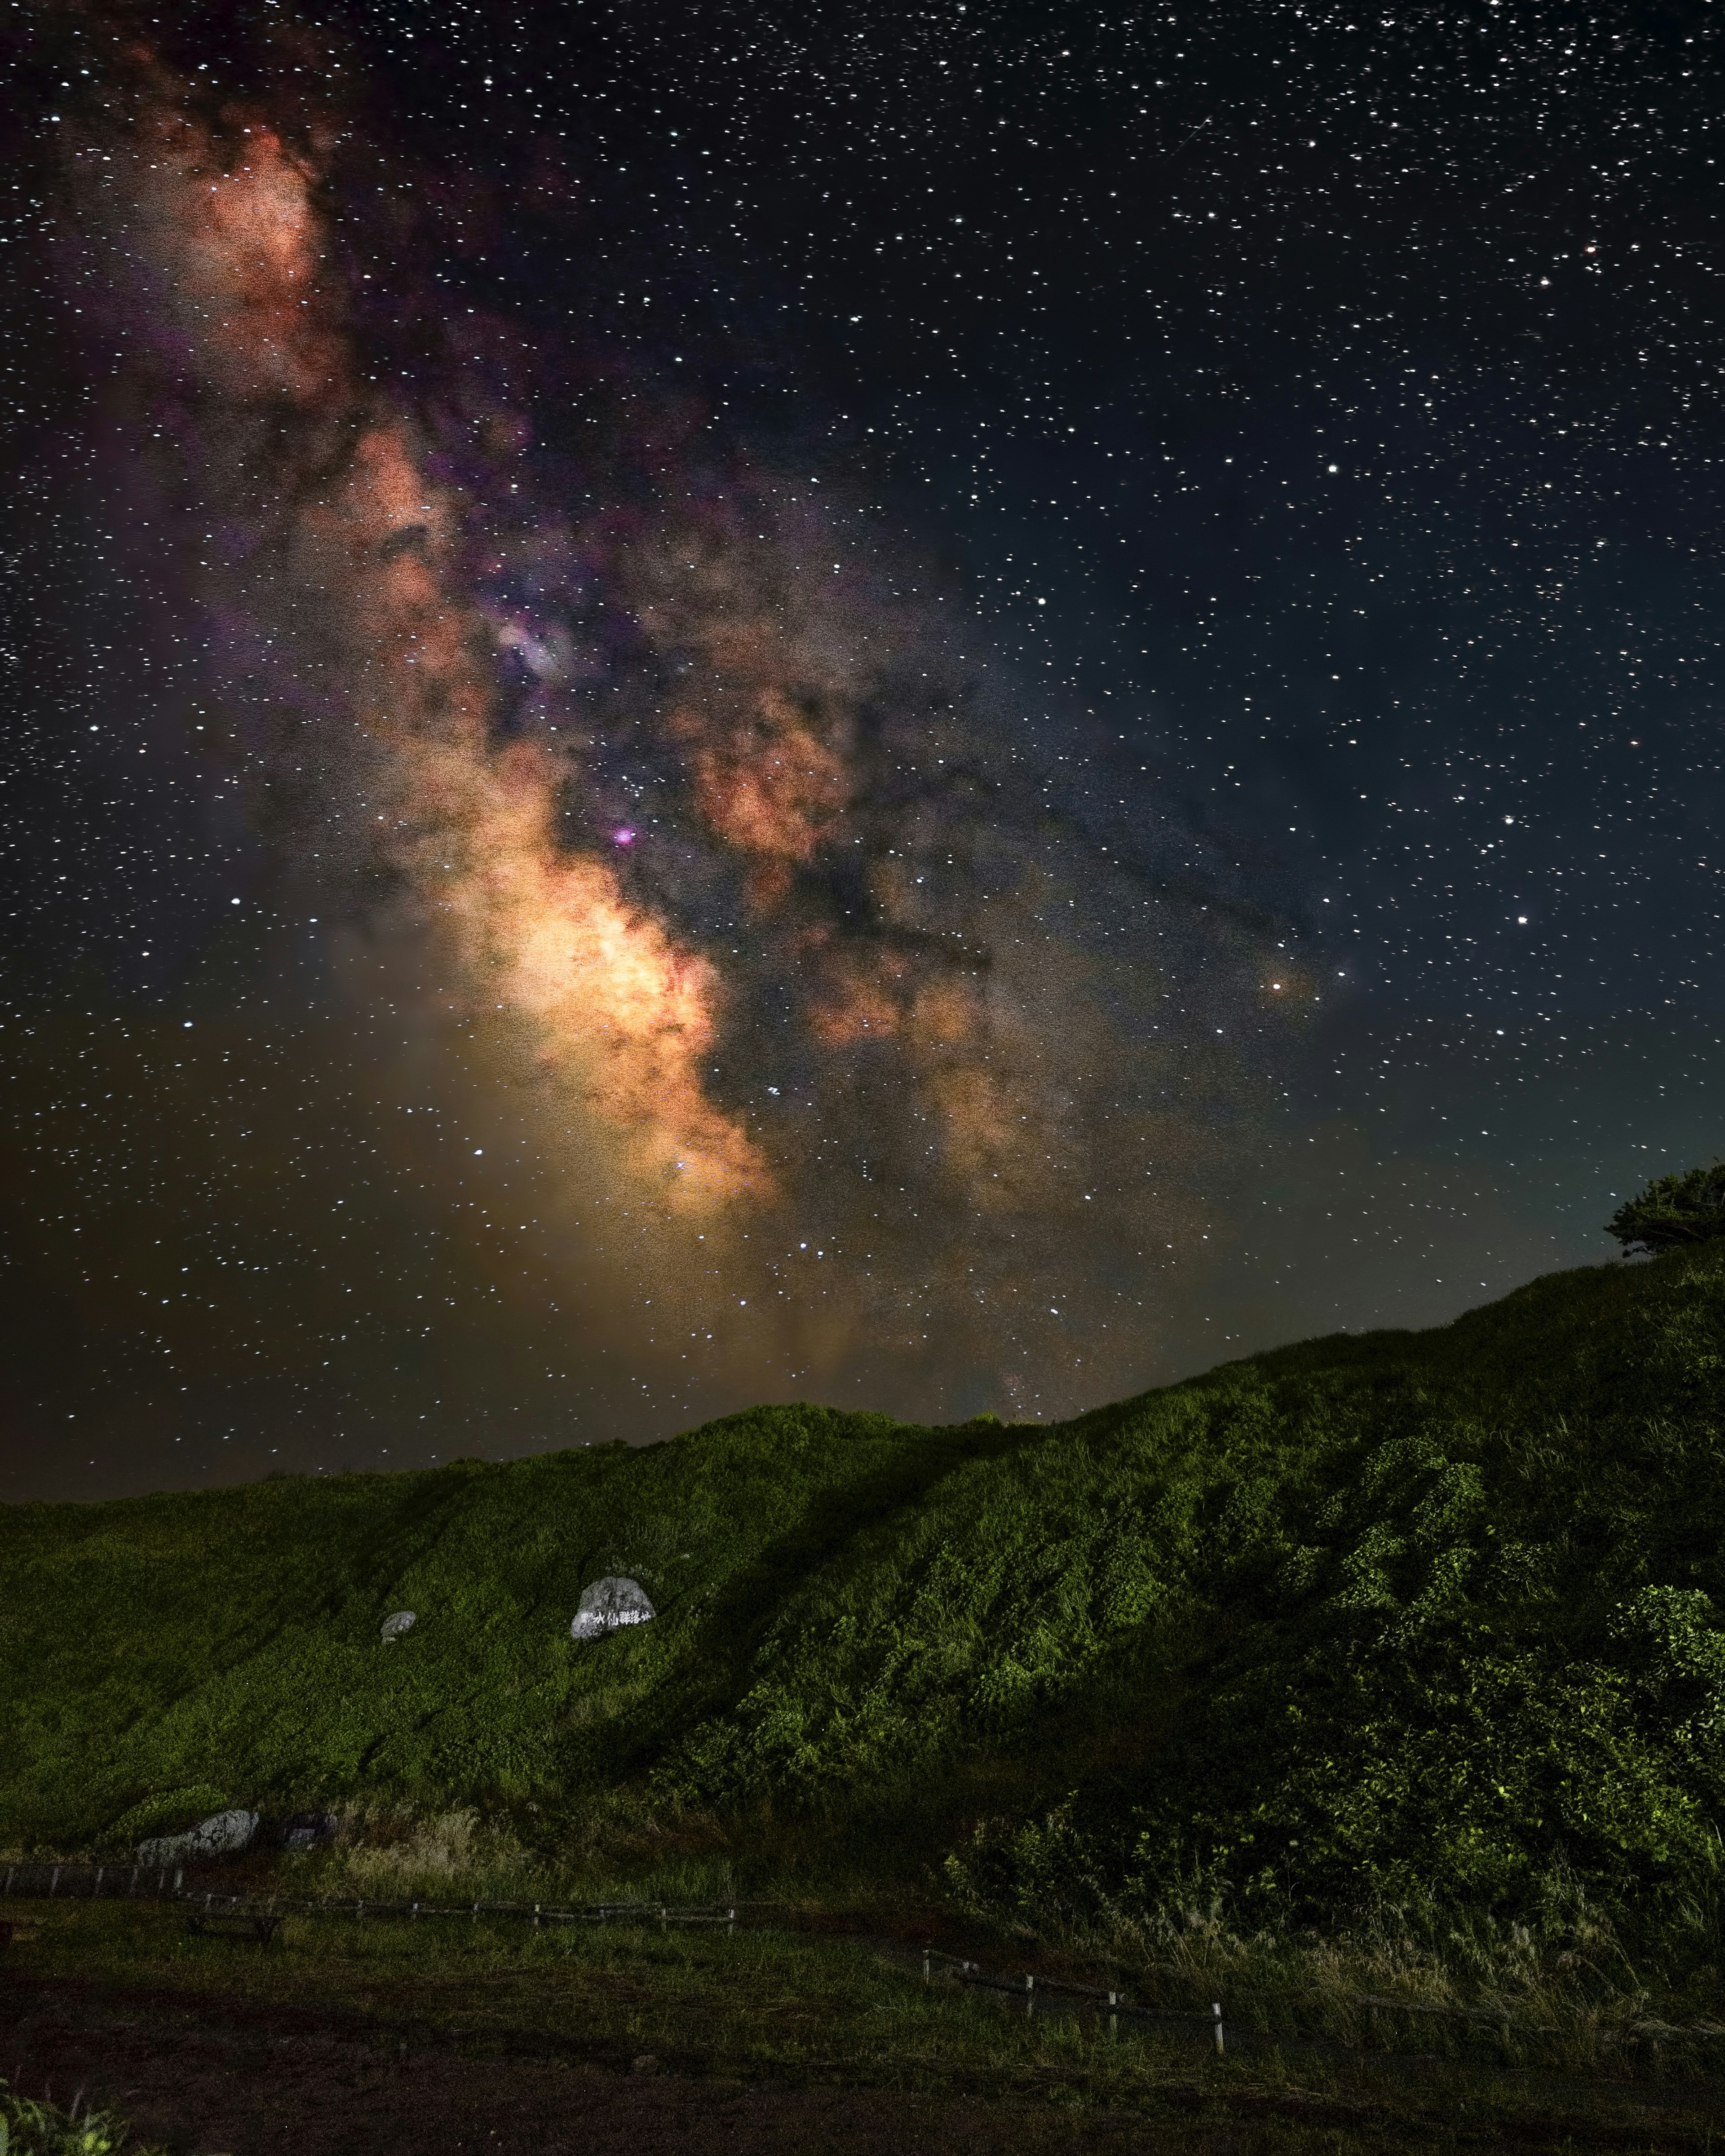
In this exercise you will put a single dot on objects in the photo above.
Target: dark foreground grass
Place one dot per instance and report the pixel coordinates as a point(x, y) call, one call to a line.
point(1570, 1989)
point(32, 2126)
point(810, 2012)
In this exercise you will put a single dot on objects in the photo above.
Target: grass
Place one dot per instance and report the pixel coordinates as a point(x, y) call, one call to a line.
point(1402, 1648)
point(173, 1650)
point(812, 2008)
point(28, 2128)
point(1571, 1991)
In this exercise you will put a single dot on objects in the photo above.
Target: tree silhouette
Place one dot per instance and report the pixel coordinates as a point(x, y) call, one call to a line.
point(1673, 1209)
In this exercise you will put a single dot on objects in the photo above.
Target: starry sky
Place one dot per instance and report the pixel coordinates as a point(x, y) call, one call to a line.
point(950, 709)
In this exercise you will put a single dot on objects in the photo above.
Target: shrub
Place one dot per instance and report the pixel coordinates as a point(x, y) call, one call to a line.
point(43, 2129)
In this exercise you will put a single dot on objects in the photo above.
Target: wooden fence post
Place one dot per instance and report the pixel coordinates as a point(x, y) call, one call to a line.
point(1216, 2011)
point(1030, 1994)
point(1113, 2017)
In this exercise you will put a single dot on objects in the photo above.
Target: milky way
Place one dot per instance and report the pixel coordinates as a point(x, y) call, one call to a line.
point(667, 827)
point(944, 708)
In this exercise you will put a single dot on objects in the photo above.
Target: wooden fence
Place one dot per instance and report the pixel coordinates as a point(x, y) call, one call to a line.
point(1028, 1987)
point(84, 1882)
point(263, 1914)
point(150, 1882)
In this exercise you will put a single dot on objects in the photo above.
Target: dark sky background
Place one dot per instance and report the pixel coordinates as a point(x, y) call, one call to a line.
point(1116, 611)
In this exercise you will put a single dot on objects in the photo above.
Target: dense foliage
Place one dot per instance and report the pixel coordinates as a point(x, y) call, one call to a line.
point(1429, 1613)
point(1673, 1210)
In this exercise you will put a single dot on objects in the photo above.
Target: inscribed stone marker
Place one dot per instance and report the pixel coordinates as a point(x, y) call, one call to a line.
point(607, 1604)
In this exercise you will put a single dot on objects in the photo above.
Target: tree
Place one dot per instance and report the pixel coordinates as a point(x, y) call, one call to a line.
point(1672, 1211)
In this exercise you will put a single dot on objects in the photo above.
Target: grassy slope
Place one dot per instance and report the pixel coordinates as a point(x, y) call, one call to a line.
point(1427, 1611)
point(226, 1643)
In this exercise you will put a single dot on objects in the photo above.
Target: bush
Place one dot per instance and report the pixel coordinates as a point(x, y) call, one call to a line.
point(1672, 1210)
point(43, 2129)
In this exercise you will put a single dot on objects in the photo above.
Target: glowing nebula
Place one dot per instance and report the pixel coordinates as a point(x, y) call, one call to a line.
point(235, 245)
point(989, 1037)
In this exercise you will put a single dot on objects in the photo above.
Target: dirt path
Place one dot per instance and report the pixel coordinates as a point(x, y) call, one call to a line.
point(206, 2076)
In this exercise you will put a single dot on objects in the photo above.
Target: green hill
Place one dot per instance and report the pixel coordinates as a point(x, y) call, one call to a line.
point(1431, 1614)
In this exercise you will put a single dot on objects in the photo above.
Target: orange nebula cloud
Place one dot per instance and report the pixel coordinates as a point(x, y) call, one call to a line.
point(237, 235)
point(625, 1015)
point(770, 758)
point(622, 1016)
point(770, 787)
point(883, 993)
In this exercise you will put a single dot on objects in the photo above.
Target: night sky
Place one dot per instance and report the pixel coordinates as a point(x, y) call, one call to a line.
point(943, 709)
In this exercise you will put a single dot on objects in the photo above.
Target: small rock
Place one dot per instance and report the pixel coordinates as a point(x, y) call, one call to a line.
point(305, 1829)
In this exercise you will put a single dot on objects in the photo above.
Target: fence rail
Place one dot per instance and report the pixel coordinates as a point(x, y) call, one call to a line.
point(26, 1882)
point(49, 1881)
point(1645, 2029)
point(154, 1882)
point(1030, 1985)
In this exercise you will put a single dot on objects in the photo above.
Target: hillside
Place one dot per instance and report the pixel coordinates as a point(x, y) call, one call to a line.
point(1434, 1613)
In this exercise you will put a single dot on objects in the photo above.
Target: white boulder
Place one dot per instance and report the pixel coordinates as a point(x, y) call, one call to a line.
point(608, 1603)
point(223, 1833)
point(391, 1628)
